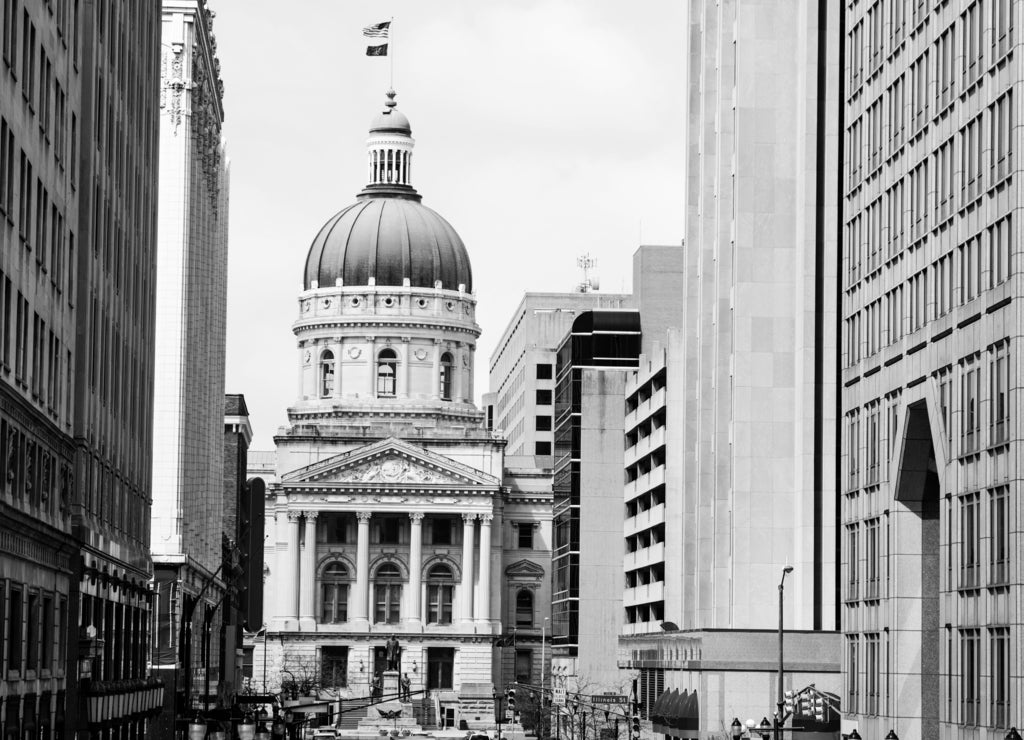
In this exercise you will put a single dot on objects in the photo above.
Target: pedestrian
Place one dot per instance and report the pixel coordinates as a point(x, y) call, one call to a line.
point(406, 684)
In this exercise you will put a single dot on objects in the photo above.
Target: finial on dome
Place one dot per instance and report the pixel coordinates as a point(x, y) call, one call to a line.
point(390, 102)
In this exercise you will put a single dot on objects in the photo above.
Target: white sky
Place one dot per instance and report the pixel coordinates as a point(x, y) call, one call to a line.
point(544, 129)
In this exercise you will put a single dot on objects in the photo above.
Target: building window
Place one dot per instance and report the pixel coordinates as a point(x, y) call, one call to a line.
point(389, 530)
point(872, 673)
point(971, 424)
point(873, 558)
point(524, 666)
point(852, 560)
point(544, 371)
point(873, 443)
point(1001, 116)
point(999, 252)
point(524, 608)
point(946, 53)
point(919, 92)
point(971, 159)
point(999, 537)
point(972, 24)
point(32, 633)
point(524, 536)
point(853, 448)
point(440, 664)
point(542, 448)
point(440, 588)
point(543, 397)
point(441, 531)
point(999, 679)
point(970, 541)
point(334, 666)
point(387, 372)
point(1002, 28)
point(945, 407)
point(332, 528)
point(334, 594)
point(446, 376)
point(852, 673)
point(999, 407)
point(543, 424)
point(387, 594)
point(326, 374)
point(970, 676)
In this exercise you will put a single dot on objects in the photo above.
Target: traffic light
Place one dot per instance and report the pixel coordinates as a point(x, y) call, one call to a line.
point(819, 708)
point(789, 702)
point(634, 727)
point(510, 698)
point(804, 705)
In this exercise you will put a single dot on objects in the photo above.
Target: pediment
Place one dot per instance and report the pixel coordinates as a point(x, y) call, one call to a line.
point(524, 569)
point(390, 463)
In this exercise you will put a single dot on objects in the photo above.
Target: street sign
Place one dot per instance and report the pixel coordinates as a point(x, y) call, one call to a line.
point(558, 696)
point(609, 699)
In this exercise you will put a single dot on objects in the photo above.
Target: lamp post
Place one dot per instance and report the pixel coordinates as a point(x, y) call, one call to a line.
point(781, 698)
point(497, 718)
point(543, 672)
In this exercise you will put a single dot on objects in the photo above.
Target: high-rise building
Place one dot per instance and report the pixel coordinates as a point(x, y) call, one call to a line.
point(115, 263)
point(731, 449)
point(40, 105)
point(931, 367)
point(391, 513)
point(522, 369)
point(188, 524)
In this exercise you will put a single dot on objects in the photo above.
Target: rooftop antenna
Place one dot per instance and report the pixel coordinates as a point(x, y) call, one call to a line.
point(590, 282)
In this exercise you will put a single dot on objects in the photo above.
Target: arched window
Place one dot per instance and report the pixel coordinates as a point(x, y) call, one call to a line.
point(440, 588)
point(334, 594)
point(524, 609)
point(387, 372)
point(326, 374)
point(387, 594)
point(446, 376)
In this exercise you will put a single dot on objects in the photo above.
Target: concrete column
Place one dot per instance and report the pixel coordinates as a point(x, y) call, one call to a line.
point(361, 599)
point(307, 572)
point(466, 602)
point(483, 590)
point(415, 566)
point(458, 383)
point(289, 582)
point(404, 377)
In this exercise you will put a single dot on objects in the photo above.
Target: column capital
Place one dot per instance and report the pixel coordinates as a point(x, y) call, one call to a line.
point(416, 516)
point(364, 516)
point(311, 515)
point(485, 518)
point(293, 515)
point(469, 518)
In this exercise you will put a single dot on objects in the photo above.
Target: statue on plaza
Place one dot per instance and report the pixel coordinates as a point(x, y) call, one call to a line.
point(393, 652)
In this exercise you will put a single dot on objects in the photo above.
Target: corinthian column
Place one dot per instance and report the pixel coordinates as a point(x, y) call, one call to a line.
point(289, 576)
point(415, 565)
point(307, 572)
point(362, 596)
point(466, 602)
point(483, 590)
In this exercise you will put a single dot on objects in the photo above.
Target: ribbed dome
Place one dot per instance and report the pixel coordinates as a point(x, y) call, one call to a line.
point(388, 239)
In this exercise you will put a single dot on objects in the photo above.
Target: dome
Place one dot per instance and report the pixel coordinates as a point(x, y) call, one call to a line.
point(388, 239)
point(390, 120)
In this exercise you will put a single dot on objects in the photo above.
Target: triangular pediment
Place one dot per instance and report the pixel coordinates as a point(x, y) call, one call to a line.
point(524, 569)
point(392, 463)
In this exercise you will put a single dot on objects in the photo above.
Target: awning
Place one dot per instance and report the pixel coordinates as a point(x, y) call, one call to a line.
point(677, 714)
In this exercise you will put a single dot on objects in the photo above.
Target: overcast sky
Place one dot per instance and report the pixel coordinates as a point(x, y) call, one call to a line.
point(544, 129)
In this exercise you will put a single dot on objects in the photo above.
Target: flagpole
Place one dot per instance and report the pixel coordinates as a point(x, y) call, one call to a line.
point(391, 28)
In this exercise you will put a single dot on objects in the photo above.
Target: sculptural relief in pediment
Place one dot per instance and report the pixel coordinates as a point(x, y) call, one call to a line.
point(392, 469)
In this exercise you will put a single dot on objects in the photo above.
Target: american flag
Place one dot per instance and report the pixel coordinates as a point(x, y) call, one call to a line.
point(377, 30)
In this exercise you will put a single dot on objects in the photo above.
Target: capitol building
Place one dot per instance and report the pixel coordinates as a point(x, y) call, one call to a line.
point(392, 508)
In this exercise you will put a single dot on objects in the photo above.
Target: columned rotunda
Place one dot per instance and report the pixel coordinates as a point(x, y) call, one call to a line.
point(388, 514)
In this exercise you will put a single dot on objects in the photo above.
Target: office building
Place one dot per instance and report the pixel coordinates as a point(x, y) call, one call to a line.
point(930, 590)
point(188, 525)
point(731, 463)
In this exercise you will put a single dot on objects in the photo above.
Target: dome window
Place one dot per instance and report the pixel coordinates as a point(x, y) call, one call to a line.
point(387, 372)
point(326, 374)
point(446, 376)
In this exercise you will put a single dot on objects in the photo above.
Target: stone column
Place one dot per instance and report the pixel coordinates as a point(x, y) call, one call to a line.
point(483, 589)
point(466, 602)
point(458, 389)
point(361, 599)
point(371, 364)
point(435, 385)
point(290, 572)
point(415, 566)
point(403, 379)
point(307, 572)
point(338, 347)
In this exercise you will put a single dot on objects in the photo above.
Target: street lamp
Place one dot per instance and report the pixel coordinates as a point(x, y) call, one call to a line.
point(543, 672)
point(781, 700)
point(765, 728)
point(497, 703)
point(737, 728)
point(1013, 734)
point(892, 735)
point(854, 735)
